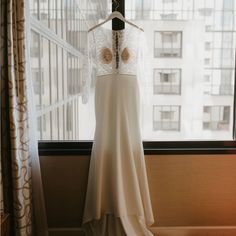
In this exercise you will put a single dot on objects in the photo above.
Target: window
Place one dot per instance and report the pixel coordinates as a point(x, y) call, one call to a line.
point(227, 57)
point(169, 1)
point(56, 59)
point(74, 76)
point(207, 46)
point(192, 62)
point(167, 81)
point(83, 40)
point(207, 61)
point(228, 20)
point(220, 83)
point(169, 16)
point(34, 50)
point(216, 118)
point(207, 78)
point(69, 126)
point(208, 28)
point(167, 44)
point(227, 39)
point(226, 84)
point(228, 4)
point(205, 11)
point(38, 82)
point(166, 118)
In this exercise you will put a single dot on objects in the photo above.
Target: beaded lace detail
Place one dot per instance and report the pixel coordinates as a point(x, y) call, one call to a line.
point(115, 51)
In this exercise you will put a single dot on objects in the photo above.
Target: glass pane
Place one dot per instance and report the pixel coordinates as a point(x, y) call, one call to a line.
point(68, 20)
point(53, 75)
point(64, 19)
point(60, 73)
point(168, 44)
point(39, 128)
point(44, 11)
point(45, 68)
point(167, 81)
point(34, 8)
point(61, 124)
point(193, 65)
point(35, 68)
point(69, 118)
point(192, 55)
point(53, 14)
point(59, 18)
point(65, 74)
point(70, 85)
point(46, 126)
point(55, 127)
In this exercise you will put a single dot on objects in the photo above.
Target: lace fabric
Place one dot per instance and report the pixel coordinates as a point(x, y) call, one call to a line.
point(116, 51)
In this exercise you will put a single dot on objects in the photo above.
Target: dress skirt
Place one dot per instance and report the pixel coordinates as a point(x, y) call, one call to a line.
point(117, 199)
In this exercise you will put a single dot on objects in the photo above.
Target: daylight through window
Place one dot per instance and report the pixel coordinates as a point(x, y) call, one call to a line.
point(192, 61)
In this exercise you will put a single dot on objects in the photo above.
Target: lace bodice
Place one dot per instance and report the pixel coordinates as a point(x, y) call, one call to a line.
point(116, 51)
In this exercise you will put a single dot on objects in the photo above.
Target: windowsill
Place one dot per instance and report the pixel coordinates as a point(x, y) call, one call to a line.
point(68, 148)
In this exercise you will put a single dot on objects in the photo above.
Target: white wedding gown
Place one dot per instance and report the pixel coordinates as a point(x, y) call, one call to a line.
point(117, 200)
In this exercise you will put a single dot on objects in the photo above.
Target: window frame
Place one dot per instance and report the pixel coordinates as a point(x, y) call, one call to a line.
point(158, 70)
point(62, 148)
point(212, 120)
point(169, 57)
point(161, 121)
point(84, 148)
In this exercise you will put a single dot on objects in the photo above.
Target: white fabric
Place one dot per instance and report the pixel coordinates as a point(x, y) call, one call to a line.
point(117, 200)
point(39, 210)
point(139, 64)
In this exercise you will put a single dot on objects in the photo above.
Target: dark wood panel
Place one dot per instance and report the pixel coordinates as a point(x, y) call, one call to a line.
point(64, 182)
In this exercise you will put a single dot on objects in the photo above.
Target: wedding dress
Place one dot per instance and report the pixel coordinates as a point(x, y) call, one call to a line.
point(117, 200)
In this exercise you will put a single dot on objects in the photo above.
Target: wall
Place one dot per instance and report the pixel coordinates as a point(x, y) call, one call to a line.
point(188, 190)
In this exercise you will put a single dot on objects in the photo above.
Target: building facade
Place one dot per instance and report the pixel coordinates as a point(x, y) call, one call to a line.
point(192, 56)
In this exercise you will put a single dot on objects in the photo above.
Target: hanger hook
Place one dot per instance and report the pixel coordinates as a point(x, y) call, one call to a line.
point(117, 4)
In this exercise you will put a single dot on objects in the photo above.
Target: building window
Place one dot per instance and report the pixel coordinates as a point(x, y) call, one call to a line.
point(168, 16)
point(166, 118)
point(216, 118)
point(74, 76)
point(168, 44)
point(38, 81)
point(167, 81)
point(227, 39)
point(34, 47)
point(228, 4)
point(169, 1)
point(205, 11)
point(207, 61)
point(227, 57)
point(207, 46)
point(208, 28)
point(220, 83)
point(207, 78)
point(226, 84)
point(82, 35)
point(69, 117)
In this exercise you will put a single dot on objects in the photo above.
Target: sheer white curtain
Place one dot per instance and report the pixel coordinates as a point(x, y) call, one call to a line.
point(41, 228)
